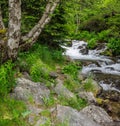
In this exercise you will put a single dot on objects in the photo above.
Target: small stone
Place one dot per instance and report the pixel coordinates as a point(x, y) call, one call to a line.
point(53, 75)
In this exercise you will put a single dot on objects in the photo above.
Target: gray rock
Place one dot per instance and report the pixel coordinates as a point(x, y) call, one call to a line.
point(116, 123)
point(88, 96)
point(34, 114)
point(96, 113)
point(53, 75)
point(72, 117)
point(28, 91)
point(61, 90)
point(43, 121)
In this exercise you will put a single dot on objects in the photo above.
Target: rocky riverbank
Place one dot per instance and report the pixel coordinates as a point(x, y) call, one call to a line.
point(41, 110)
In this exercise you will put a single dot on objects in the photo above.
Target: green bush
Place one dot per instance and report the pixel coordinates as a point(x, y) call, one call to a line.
point(92, 43)
point(39, 71)
point(114, 45)
point(94, 24)
point(104, 35)
point(11, 112)
point(89, 86)
point(71, 69)
point(76, 102)
point(7, 80)
point(45, 54)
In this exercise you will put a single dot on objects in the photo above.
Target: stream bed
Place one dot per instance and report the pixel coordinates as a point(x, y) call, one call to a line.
point(105, 70)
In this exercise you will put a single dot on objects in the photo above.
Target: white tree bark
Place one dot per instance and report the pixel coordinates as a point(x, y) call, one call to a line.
point(14, 28)
point(33, 35)
point(15, 41)
point(1, 20)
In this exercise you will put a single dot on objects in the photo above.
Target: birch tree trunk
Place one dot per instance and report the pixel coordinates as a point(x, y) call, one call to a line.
point(32, 36)
point(14, 28)
point(3, 39)
point(1, 20)
point(14, 40)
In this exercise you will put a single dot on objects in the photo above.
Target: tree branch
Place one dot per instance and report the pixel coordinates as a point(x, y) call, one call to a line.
point(33, 35)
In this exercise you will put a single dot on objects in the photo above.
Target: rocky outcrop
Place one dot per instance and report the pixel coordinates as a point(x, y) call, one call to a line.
point(89, 116)
point(28, 91)
point(97, 114)
point(72, 117)
point(35, 93)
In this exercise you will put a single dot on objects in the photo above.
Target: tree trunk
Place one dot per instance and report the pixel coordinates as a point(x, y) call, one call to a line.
point(3, 39)
point(14, 28)
point(32, 36)
point(1, 20)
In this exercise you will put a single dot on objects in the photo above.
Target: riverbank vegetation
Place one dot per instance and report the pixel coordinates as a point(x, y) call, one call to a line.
point(95, 21)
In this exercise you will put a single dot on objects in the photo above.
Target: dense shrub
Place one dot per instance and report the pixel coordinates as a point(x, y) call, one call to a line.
point(114, 45)
point(7, 80)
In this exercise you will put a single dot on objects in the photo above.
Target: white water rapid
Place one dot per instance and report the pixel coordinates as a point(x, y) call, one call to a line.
point(96, 64)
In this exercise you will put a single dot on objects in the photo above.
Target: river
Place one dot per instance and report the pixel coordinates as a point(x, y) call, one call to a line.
point(104, 69)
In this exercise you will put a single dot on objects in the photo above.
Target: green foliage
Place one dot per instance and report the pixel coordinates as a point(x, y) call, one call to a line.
point(49, 101)
point(114, 45)
point(7, 81)
point(39, 53)
point(71, 69)
point(39, 71)
point(11, 112)
point(76, 102)
point(103, 35)
point(71, 83)
point(88, 85)
point(94, 24)
point(92, 43)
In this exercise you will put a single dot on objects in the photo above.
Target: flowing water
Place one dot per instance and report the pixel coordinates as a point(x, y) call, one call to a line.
point(105, 69)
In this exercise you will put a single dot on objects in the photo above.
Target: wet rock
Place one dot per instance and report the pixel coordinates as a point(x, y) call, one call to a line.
point(111, 102)
point(72, 117)
point(88, 96)
point(83, 49)
point(111, 95)
point(61, 90)
point(96, 113)
point(28, 91)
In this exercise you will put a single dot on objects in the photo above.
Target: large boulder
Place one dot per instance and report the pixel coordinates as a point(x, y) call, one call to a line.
point(72, 117)
point(29, 91)
point(97, 114)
